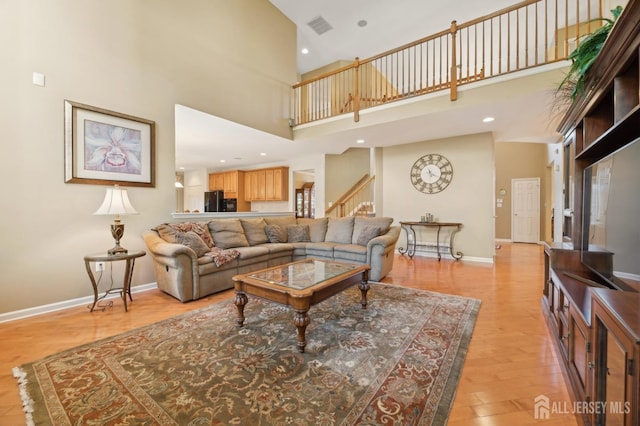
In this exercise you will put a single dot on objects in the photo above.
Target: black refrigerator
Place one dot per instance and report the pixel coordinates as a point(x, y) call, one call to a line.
point(214, 201)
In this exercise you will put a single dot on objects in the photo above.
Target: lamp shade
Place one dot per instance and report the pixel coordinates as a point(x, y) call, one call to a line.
point(116, 202)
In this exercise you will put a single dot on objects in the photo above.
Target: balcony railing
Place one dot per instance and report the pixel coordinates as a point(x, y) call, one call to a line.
point(529, 34)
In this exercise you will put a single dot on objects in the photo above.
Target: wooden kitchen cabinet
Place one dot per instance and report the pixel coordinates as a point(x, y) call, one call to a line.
point(271, 184)
point(229, 182)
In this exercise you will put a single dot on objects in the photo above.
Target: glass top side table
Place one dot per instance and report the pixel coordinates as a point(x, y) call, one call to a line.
point(125, 290)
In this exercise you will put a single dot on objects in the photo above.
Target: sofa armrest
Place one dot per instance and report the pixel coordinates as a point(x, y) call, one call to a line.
point(164, 250)
point(175, 266)
point(385, 241)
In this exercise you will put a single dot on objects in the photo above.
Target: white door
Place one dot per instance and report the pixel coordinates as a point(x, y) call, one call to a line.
point(525, 210)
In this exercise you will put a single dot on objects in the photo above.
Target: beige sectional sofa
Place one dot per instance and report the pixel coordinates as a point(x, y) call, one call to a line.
point(195, 259)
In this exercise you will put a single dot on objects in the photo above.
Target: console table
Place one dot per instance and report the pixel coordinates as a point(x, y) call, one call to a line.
point(409, 229)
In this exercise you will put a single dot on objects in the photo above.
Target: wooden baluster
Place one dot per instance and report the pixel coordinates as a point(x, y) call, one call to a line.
point(454, 66)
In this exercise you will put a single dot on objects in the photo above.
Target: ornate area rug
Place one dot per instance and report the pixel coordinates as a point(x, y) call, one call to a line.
point(395, 363)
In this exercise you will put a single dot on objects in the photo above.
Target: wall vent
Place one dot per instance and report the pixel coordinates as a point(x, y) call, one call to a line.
point(319, 25)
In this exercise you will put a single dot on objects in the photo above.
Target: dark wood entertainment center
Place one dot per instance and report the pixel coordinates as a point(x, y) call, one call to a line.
point(597, 329)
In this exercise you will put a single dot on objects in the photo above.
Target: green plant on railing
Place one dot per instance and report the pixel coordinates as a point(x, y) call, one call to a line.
point(573, 85)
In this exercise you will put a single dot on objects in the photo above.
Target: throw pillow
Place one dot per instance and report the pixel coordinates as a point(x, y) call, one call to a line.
point(228, 233)
point(317, 228)
point(193, 241)
point(340, 230)
point(298, 233)
point(254, 230)
point(280, 220)
point(167, 231)
point(276, 233)
point(220, 256)
point(384, 223)
point(367, 234)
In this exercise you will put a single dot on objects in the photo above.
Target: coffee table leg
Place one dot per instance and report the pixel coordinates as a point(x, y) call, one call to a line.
point(240, 301)
point(301, 320)
point(364, 288)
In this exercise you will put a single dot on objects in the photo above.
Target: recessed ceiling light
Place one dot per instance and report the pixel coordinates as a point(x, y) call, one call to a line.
point(488, 119)
point(360, 141)
point(223, 161)
point(304, 51)
point(263, 154)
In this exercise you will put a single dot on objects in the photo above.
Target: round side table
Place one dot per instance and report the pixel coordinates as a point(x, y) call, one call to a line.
point(125, 290)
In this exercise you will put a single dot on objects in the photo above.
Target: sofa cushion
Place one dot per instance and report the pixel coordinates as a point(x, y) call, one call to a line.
point(340, 230)
point(193, 241)
point(384, 223)
point(254, 230)
point(320, 249)
point(350, 253)
point(228, 233)
point(297, 233)
point(367, 234)
point(280, 220)
point(284, 248)
point(317, 228)
point(276, 233)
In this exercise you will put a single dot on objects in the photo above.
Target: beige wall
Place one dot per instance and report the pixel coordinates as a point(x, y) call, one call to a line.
point(519, 160)
point(467, 199)
point(234, 59)
point(343, 171)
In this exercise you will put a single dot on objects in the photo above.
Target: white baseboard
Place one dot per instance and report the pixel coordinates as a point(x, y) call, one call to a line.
point(447, 256)
point(65, 304)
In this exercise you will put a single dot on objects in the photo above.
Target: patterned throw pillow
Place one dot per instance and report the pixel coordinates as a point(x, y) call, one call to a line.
point(193, 241)
point(298, 233)
point(167, 231)
point(276, 233)
point(367, 234)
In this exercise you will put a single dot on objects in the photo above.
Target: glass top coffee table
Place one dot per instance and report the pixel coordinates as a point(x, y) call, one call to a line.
point(300, 285)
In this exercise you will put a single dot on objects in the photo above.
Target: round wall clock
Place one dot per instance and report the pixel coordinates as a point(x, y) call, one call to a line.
point(431, 173)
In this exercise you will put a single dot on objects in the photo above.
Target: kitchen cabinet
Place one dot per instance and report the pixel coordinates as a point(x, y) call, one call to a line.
point(271, 184)
point(232, 182)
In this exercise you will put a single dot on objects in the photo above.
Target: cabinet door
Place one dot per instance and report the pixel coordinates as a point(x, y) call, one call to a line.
point(231, 182)
point(579, 354)
point(247, 186)
point(615, 372)
point(216, 181)
point(269, 185)
point(260, 193)
point(281, 184)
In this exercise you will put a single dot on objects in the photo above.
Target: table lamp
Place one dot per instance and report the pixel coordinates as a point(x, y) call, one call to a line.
point(116, 202)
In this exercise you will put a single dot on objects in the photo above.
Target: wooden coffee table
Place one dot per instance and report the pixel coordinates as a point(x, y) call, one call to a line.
point(300, 285)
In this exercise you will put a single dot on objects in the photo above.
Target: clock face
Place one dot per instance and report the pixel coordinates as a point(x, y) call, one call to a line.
point(431, 173)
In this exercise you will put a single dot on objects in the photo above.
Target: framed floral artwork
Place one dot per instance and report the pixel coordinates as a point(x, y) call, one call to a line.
point(106, 147)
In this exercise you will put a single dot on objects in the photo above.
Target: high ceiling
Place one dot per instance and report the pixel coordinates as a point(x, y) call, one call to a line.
point(201, 137)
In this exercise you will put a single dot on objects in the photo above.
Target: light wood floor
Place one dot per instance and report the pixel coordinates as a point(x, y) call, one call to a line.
point(510, 361)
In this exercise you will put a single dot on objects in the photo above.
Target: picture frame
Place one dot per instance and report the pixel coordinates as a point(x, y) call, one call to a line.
point(104, 147)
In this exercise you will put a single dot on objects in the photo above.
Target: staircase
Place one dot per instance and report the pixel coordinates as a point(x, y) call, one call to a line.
point(356, 201)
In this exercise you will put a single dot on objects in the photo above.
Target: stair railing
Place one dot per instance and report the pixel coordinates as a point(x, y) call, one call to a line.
point(356, 201)
point(526, 35)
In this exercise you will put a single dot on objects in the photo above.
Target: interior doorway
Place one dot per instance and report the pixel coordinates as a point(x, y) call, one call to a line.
point(525, 210)
point(304, 189)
